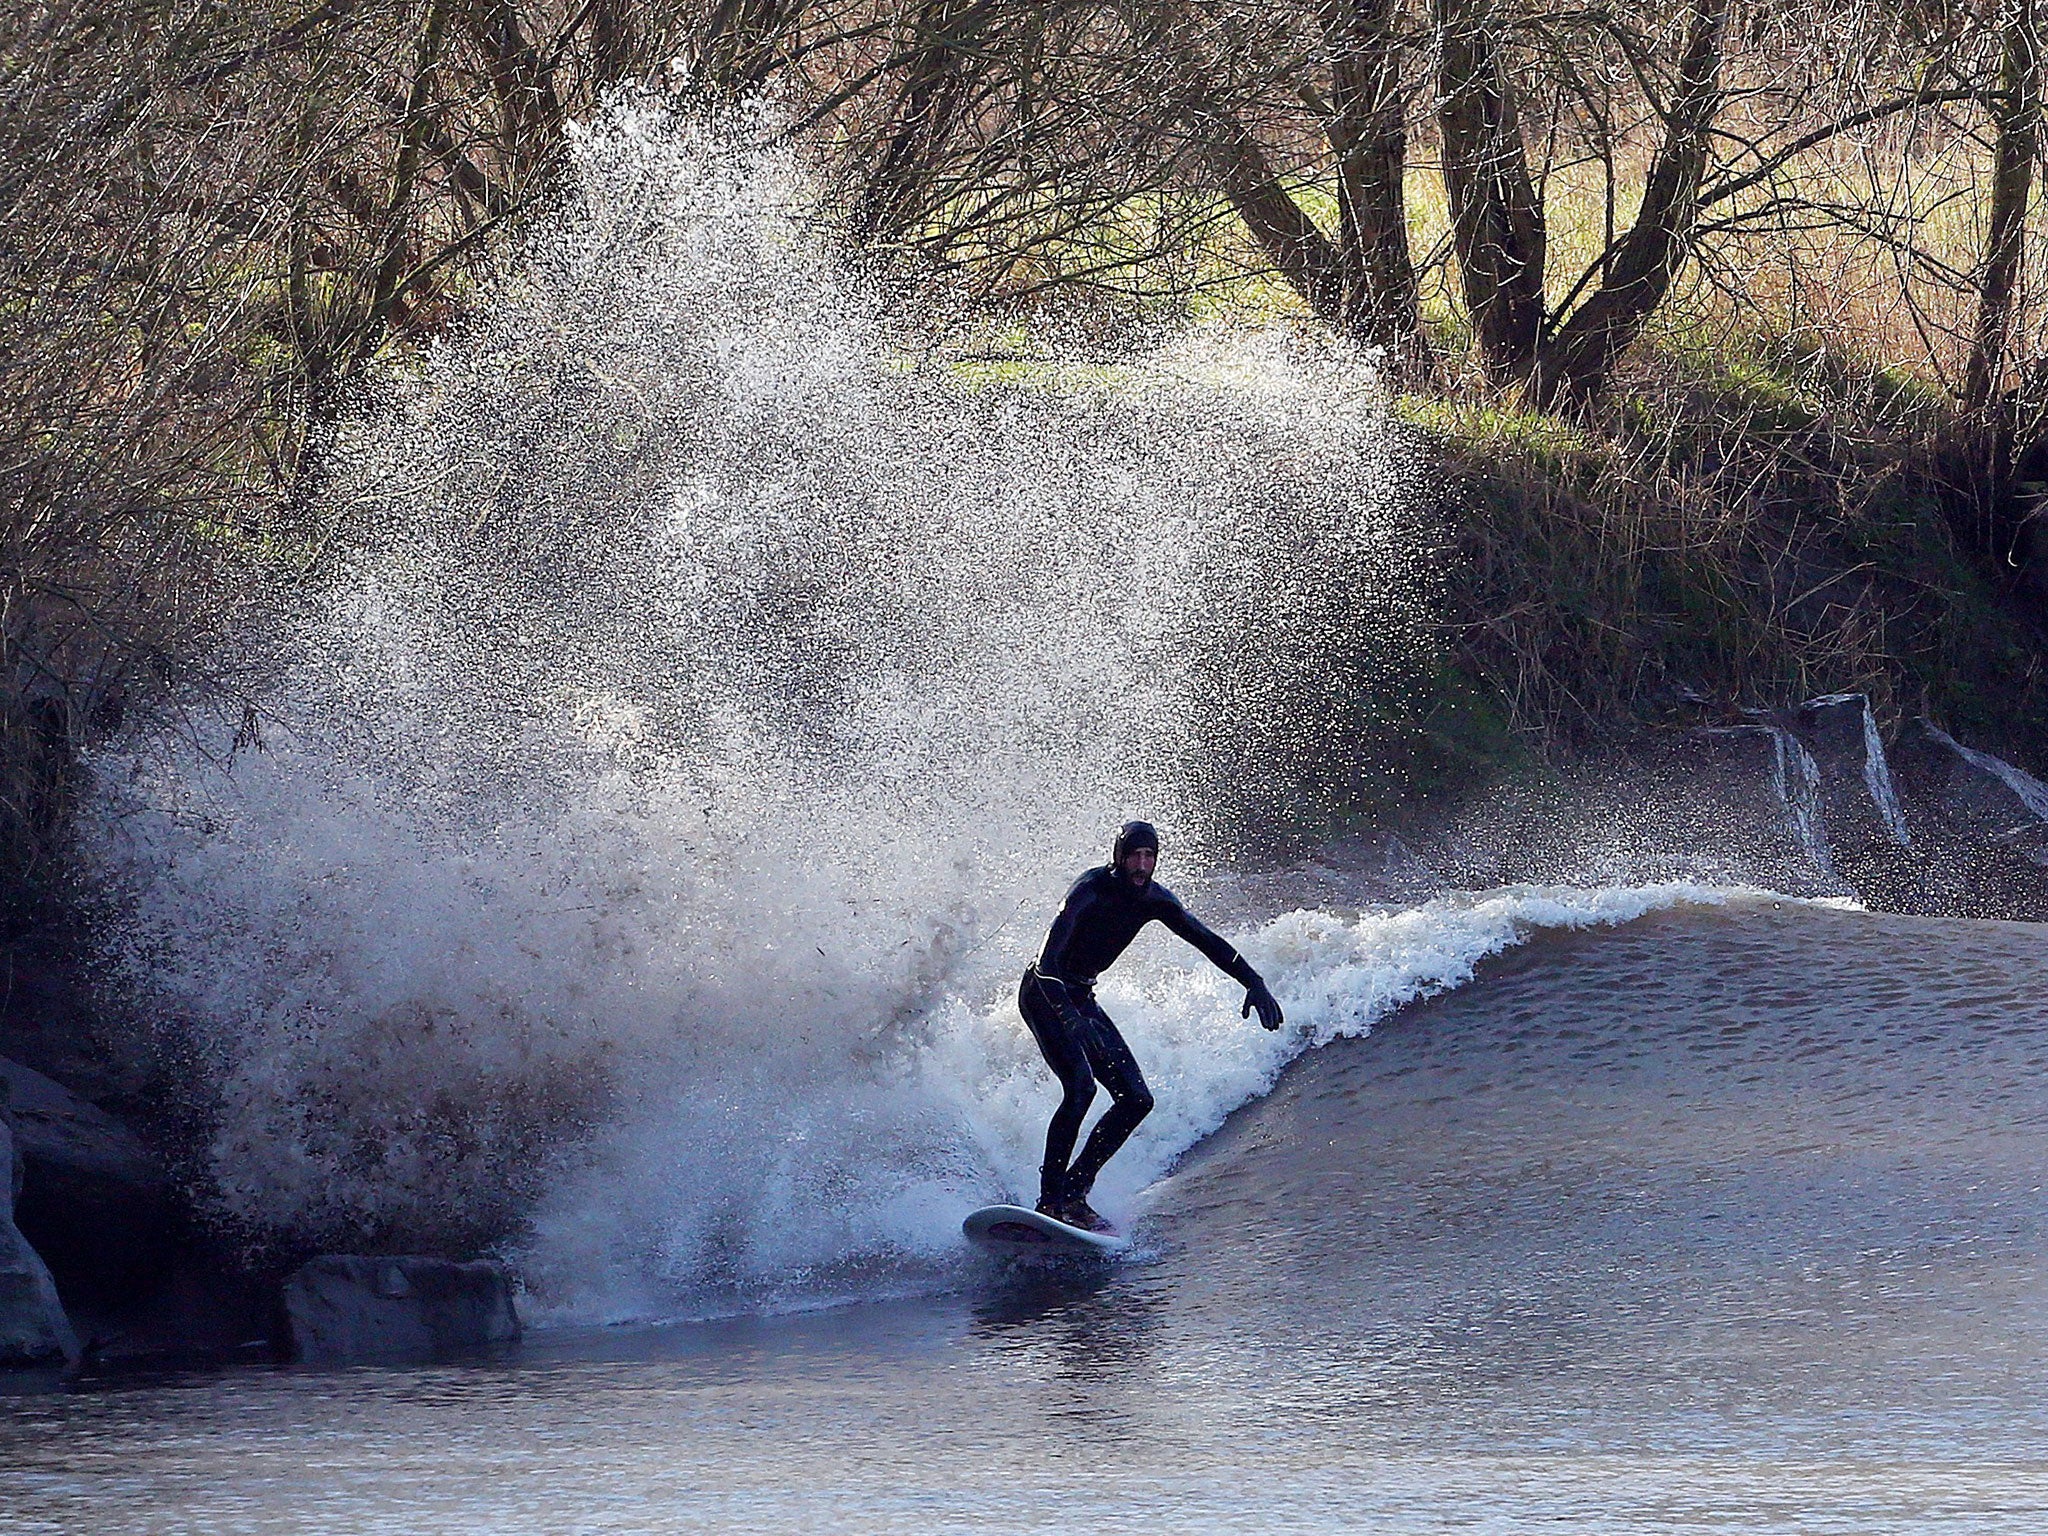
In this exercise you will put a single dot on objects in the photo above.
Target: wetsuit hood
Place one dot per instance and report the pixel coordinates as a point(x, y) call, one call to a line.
point(1132, 834)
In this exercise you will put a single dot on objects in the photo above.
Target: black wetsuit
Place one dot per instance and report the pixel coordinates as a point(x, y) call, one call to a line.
point(1102, 914)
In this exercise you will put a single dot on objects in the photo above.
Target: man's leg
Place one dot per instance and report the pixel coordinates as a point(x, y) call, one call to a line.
point(1118, 1071)
point(1055, 1025)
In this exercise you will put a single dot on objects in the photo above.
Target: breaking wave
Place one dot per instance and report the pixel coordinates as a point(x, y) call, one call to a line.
point(705, 707)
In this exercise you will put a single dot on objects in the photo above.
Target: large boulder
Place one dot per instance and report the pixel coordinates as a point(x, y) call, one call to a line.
point(35, 1335)
point(94, 1202)
point(344, 1307)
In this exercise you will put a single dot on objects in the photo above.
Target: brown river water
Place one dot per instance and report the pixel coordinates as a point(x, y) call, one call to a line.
point(1729, 1219)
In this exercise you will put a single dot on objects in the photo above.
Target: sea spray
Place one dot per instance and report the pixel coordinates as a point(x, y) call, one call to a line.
point(702, 709)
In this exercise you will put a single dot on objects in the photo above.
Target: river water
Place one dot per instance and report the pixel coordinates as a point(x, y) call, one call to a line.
point(702, 702)
point(1728, 1218)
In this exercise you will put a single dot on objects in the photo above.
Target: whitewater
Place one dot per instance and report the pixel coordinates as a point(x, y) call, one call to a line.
point(1724, 1219)
point(703, 704)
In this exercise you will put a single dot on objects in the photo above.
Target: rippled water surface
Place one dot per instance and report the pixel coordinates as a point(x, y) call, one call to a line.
point(1726, 1220)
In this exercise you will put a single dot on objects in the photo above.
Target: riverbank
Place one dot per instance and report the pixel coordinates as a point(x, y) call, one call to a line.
point(1823, 800)
point(1727, 657)
point(1722, 538)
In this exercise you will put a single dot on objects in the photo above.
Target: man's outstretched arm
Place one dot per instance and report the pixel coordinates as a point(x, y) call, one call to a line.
point(1226, 959)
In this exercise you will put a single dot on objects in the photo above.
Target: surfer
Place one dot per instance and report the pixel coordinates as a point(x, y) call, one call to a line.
point(1102, 914)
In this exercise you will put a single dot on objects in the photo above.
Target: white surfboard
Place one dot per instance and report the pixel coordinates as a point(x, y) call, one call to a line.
point(1016, 1232)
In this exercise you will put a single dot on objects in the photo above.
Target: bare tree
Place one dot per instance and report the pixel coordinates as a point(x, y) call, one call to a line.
point(2015, 110)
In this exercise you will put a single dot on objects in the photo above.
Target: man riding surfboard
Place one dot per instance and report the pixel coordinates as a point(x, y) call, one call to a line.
point(1101, 915)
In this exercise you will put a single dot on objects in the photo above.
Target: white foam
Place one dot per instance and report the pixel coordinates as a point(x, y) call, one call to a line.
point(1337, 976)
point(983, 1097)
point(704, 711)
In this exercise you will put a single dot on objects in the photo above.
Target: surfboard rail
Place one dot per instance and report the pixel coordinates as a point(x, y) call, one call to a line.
point(1018, 1230)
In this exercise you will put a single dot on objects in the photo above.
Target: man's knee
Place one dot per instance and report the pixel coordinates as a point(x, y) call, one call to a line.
point(1134, 1099)
point(1080, 1090)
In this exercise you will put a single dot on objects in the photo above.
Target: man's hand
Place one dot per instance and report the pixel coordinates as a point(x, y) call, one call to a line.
point(1269, 1007)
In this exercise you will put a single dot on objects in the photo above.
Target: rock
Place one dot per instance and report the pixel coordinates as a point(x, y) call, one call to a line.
point(1808, 801)
point(1986, 826)
point(205, 1308)
point(343, 1307)
point(1878, 838)
point(48, 1018)
point(35, 1335)
point(1974, 792)
point(1864, 819)
point(1760, 790)
point(94, 1202)
point(136, 1280)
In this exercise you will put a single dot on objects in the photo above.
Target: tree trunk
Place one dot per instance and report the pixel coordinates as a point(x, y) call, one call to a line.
point(1497, 228)
point(1642, 263)
point(736, 45)
point(412, 140)
point(931, 98)
point(2016, 112)
point(614, 42)
point(529, 111)
point(1361, 284)
point(1368, 130)
point(1292, 241)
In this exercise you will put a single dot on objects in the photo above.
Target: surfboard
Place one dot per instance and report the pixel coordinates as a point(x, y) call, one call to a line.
point(1016, 1232)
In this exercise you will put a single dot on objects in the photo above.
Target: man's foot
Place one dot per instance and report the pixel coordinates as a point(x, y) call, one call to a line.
point(1077, 1212)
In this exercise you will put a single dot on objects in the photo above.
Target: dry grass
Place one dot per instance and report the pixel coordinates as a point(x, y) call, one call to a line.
point(1713, 541)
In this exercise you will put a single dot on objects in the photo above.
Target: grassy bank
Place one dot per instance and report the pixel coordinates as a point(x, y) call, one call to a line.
point(1778, 497)
point(1732, 530)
